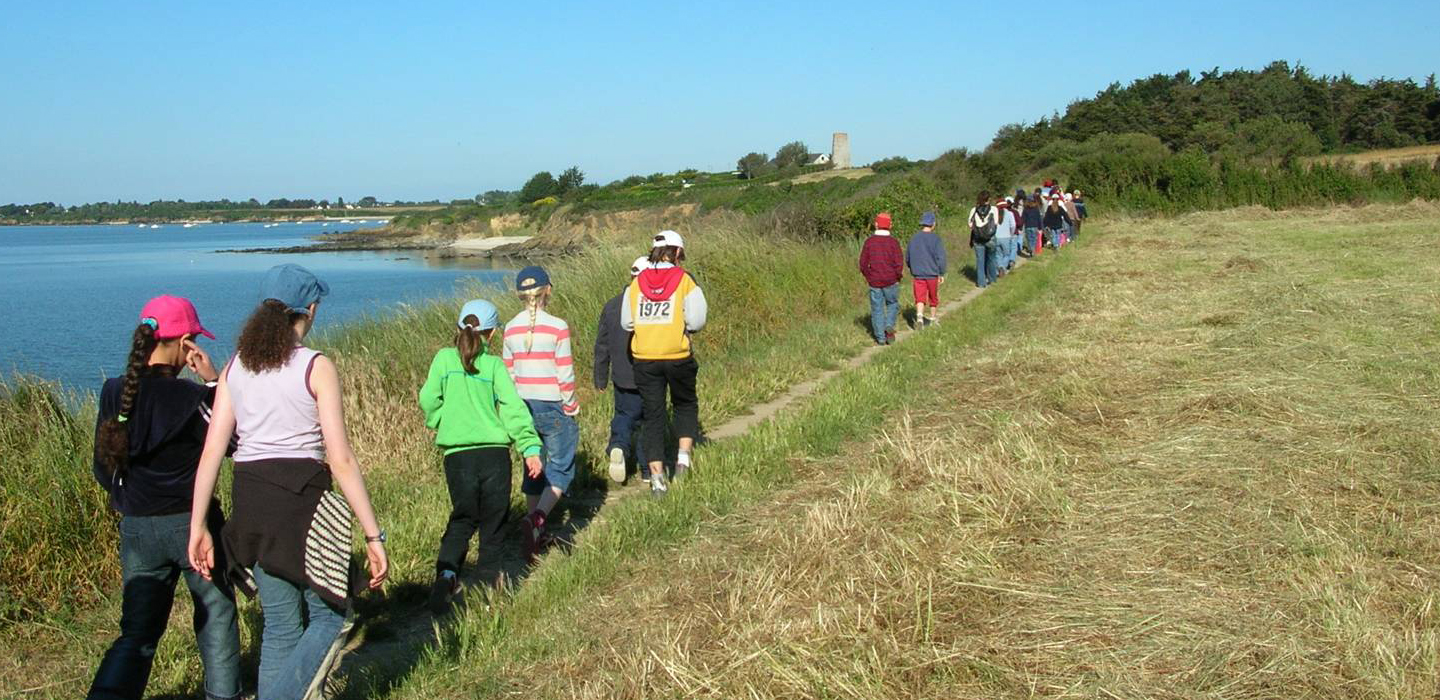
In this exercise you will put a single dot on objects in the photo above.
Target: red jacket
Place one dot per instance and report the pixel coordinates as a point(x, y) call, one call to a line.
point(881, 261)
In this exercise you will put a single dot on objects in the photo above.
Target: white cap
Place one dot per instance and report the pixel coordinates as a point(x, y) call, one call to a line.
point(641, 264)
point(1069, 196)
point(668, 237)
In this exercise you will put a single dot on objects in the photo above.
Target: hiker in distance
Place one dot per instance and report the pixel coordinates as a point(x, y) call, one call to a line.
point(926, 257)
point(662, 308)
point(614, 365)
point(883, 264)
point(983, 221)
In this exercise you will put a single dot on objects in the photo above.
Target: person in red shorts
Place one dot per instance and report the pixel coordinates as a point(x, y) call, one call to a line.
point(926, 258)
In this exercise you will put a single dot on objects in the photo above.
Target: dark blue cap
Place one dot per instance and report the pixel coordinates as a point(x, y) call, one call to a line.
point(532, 277)
point(927, 219)
point(294, 286)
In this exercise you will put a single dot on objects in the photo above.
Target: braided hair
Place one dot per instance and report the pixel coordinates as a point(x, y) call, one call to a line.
point(535, 300)
point(112, 440)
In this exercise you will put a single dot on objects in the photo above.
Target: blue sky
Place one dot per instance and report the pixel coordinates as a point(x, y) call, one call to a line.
point(148, 100)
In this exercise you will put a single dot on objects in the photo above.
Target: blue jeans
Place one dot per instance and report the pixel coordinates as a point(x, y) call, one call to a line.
point(1007, 246)
point(884, 309)
point(153, 555)
point(629, 413)
point(987, 259)
point(294, 653)
point(1055, 236)
point(1032, 236)
point(559, 438)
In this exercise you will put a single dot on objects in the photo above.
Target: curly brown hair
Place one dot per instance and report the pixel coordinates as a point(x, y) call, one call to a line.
point(268, 338)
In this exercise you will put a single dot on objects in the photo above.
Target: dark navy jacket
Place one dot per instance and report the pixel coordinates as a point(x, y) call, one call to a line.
point(612, 349)
point(167, 429)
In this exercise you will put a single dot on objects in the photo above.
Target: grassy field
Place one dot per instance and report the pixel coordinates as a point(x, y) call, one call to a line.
point(1194, 459)
point(1385, 157)
point(1184, 458)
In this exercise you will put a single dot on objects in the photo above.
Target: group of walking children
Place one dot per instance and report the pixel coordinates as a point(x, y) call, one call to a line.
point(1001, 231)
point(276, 408)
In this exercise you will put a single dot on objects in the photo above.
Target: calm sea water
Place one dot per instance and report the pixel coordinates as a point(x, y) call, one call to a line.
point(72, 294)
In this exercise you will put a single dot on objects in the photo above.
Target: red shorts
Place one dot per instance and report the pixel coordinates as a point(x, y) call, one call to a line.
point(927, 292)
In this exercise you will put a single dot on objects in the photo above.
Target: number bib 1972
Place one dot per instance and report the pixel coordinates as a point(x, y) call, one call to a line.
point(655, 312)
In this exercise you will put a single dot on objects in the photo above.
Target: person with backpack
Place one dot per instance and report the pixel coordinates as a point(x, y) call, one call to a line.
point(288, 538)
point(613, 365)
point(662, 308)
point(926, 257)
point(983, 221)
point(470, 401)
point(882, 263)
point(149, 432)
point(1073, 225)
point(1080, 214)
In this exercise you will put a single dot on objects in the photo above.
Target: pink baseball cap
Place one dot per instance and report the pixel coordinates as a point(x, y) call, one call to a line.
point(172, 317)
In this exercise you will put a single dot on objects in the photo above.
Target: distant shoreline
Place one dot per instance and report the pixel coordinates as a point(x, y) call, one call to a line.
point(204, 222)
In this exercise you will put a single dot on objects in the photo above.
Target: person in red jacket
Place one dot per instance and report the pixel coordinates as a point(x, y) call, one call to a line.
point(882, 263)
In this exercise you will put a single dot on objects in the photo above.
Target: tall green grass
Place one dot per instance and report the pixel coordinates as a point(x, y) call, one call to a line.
point(781, 311)
point(57, 538)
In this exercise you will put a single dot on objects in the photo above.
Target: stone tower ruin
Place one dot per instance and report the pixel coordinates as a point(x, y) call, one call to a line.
point(840, 150)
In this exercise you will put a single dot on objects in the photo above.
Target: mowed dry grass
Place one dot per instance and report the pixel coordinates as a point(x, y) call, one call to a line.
point(1385, 156)
point(1206, 468)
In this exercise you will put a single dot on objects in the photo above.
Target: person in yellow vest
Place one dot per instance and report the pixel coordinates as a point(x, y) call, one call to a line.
point(662, 307)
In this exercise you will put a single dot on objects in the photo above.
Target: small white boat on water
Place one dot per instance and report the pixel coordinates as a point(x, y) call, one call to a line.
point(140, 225)
point(189, 226)
point(154, 225)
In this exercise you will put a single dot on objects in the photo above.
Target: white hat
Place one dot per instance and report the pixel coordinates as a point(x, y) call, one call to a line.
point(641, 264)
point(1069, 196)
point(668, 237)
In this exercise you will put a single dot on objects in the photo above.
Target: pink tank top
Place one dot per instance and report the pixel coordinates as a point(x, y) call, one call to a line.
point(275, 413)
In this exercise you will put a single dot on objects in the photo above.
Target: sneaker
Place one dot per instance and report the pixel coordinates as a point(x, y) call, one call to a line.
point(534, 526)
point(658, 488)
point(933, 322)
point(617, 465)
point(442, 593)
point(682, 466)
point(889, 337)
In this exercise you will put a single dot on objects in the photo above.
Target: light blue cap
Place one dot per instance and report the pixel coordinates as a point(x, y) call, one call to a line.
point(927, 219)
point(482, 310)
point(294, 286)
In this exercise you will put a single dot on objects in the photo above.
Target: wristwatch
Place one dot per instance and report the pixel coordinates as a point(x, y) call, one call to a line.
point(378, 538)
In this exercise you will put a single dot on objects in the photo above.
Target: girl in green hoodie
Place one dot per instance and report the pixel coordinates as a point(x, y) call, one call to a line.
point(471, 403)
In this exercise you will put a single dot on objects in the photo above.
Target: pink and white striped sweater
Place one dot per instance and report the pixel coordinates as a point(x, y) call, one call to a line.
point(545, 371)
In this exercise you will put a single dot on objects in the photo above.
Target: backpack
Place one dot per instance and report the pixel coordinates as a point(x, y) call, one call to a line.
point(982, 233)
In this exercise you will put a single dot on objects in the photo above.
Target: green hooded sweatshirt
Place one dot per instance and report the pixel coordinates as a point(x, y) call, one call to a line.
point(475, 410)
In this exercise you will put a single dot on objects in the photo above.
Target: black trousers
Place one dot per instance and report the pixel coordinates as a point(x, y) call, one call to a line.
point(479, 482)
point(652, 379)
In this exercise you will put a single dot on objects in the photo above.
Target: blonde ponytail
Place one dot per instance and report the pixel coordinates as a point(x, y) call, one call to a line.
point(535, 299)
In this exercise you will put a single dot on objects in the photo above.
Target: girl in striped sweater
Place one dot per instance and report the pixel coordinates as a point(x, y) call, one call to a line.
point(537, 353)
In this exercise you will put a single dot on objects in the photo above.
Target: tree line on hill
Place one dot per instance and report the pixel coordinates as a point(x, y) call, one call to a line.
point(1180, 143)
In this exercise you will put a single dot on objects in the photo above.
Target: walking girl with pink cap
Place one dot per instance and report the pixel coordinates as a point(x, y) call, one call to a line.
point(148, 437)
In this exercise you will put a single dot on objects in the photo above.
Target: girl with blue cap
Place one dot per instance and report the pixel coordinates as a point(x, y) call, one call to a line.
point(288, 537)
point(470, 402)
point(537, 353)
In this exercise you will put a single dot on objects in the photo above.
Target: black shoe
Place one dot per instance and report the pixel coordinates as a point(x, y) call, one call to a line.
point(442, 593)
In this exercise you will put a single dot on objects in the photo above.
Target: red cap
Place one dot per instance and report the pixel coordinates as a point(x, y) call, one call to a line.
point(172, 317)
point(882, 220)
